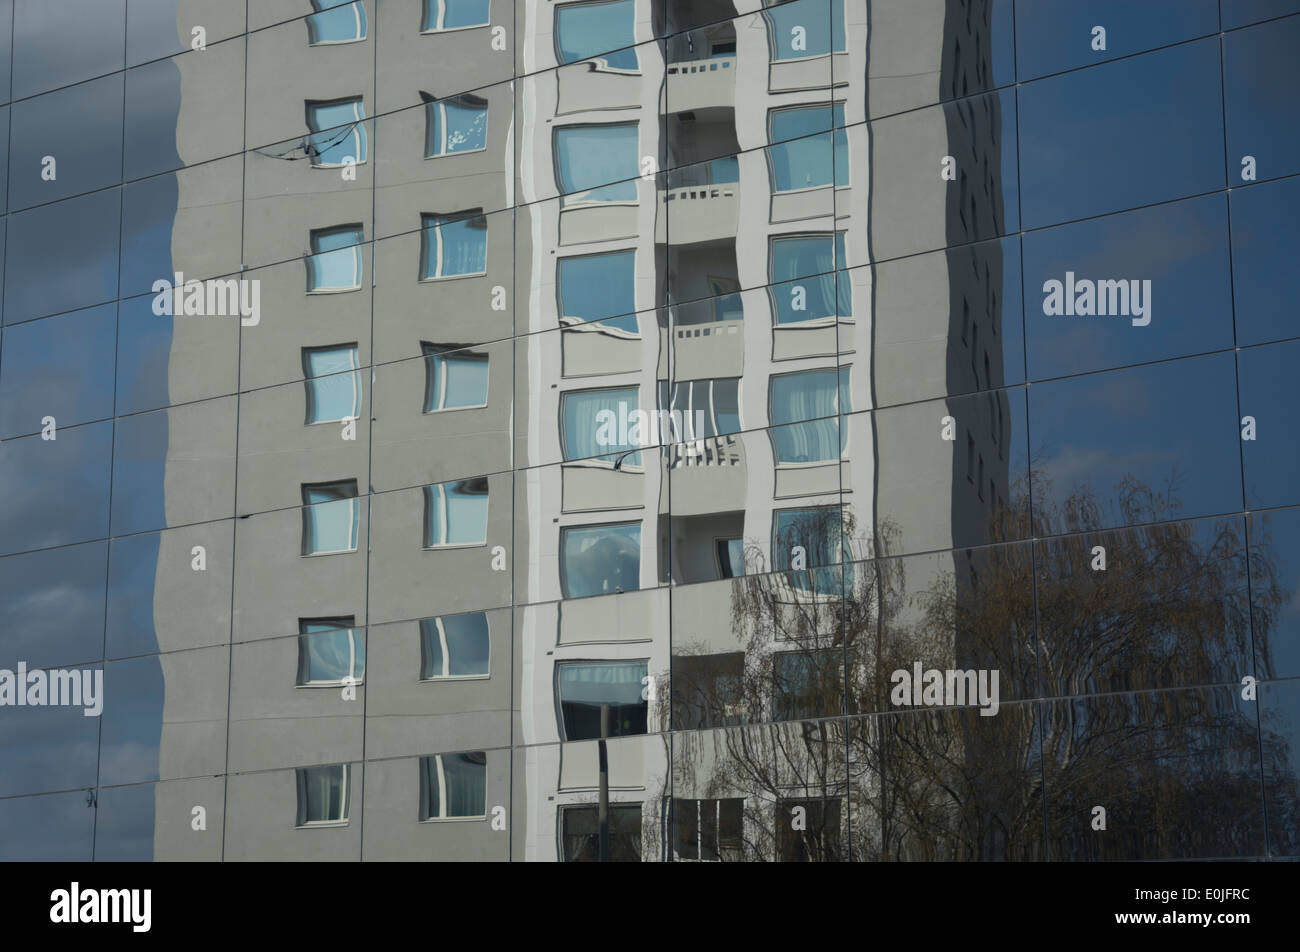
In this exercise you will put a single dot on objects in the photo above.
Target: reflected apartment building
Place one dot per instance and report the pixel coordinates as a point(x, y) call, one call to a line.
point(625, 392)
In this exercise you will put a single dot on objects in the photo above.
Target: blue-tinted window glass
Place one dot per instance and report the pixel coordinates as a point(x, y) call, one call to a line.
point(52, 605)
point(818, 531)
point(456, 126)
point(56, 491)
point(583, 30)
point(601, 423)
point(339, 21)
point(599, 163)
point(600, 560)
point(454, 245)
point(456, 513)
point(598, 288)
point(1270, 392)
point(805, 28)
point(454, 378)
point(337, 132)
point(335, 264)
point(1164, 106)
point(804, 415)
point(455, 785)
point(333, 384)
point(804, 284)
point(330, 518)
point(455, 14)
point(329, 650)
point(802, 158)
point(455, 646)
point(1263, 114)
point(1265, 248)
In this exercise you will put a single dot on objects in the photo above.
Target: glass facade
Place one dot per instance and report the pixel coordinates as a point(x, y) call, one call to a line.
point(818, 430)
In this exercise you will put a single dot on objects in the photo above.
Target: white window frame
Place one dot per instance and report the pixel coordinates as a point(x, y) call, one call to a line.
point(357, 102)
point(441, 106)
point(426, 228)
point(353, 514)
point(346, 799)
point(358, 12)
point(446, 655)
point(443, 512)
point(442, 18)
point(432, 352)
point(354, 352)
point(351, 678)
point(442, 792)
point(358, 266)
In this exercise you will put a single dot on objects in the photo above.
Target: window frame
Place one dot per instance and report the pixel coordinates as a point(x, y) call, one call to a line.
point(430, 104)
point(578, 199)
point(433, 352)
point(354, 352)
point(564, 568)
point(442, 16)
point(839, 241)
point(425, 793)
point(625, 460)
point(438, 220)
point(599, 61)
point(363, 26)
point(358, 268)
point(356, 127)
point(354, 517)
point(835, 132)
point(301, 777)
point(592, 662)
point(446, 511)
point(347, 623)
point(426, 660)
point(843, 382)
point(600, 325)
point(771, 35)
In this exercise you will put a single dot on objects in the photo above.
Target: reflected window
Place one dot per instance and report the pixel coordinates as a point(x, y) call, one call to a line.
point(333, 383)
point(805, 28)
point(604, 27)
point(324, 794)
point(708, 830)
point(726, 302)
point(455, 125)
point(597, 163)
point(584, 687)
point(801, 157)
point(330, 650)
point(705, 408)
point(709, 691)
point(807, 684)
point(580, 833)
point(453, 786)
point(731, 558)
point(337, 21)
point(818, 531)
point(603, 423)
point(329, 517)
point(600, 560)
point(335, 262)
point(818, 841)
point(804, 285)
point(598, 288)
point(454, 378)
point(803, 408)
point(337, 132)
point(453, 245)
point(455, 513)
point(455, 14)
point(454, 646)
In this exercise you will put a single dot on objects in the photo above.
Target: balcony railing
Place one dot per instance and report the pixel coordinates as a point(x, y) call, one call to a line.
point(709, 451)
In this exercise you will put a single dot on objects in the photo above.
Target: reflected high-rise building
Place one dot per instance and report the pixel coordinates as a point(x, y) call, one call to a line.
point(546, 430)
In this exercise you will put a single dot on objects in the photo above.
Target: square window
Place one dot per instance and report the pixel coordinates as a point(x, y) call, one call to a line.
point(453, 245)
point(337, 133)
point(455, 14)
point(600, 560)
point(600, 424)
point(582, 688)
point(454, 378)
point(804, 283)
point(802, 155)
point(820, 839)
point(330, 652)
point(804, 411)
point(456, 513)
point(333, 383)
point(329, 517)
point(580, 833)
point(455, 125)
point(818, 531)
point(453, 786)
point(455, 646)
point(600, 30)
point(337, 21)
point(597, 163)
point(598, 290)
point(335, 262)
point(805, 28)
point(324, 795)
